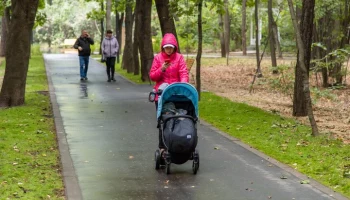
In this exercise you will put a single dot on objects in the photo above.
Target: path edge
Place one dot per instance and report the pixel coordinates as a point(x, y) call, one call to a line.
point(72, 189)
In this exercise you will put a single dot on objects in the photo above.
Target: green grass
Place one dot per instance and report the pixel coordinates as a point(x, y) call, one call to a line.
point(321, 158)
point(29, 159)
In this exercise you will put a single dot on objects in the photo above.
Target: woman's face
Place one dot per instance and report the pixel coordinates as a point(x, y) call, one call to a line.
point(168, 50)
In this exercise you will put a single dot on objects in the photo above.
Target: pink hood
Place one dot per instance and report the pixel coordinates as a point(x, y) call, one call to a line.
point(169, 38)
point(177, 72)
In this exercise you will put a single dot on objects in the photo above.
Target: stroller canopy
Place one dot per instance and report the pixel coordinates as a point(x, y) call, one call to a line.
point(178, 92)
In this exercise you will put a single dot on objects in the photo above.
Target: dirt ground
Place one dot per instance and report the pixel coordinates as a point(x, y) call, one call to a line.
point(233, 81)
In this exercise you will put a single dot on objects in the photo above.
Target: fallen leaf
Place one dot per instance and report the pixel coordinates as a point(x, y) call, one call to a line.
point(131, 157)
point(118, 88)
point(283, 177)
point(305, 182)
point(216, 148)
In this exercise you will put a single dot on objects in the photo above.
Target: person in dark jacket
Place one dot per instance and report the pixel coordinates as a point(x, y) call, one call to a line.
point(110, 48)
point(83, 45)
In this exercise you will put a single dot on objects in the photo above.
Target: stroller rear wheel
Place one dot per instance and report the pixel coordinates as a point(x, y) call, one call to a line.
point(195, 164)
point(167, 162)
point(157, 158)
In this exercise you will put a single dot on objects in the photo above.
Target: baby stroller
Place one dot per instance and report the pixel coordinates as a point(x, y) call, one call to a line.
point(177, 116)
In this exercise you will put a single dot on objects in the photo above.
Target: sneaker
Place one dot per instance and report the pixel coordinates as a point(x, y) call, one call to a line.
point(81, 79)
point(113, 79)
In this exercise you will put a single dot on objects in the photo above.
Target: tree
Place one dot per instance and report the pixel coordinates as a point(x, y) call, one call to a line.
point(257, 39)
point(199, 51)
point(227, 30)
point(306, 23)
point(145, 39)
point(102, 26)
point(244, 27)
point(127, 62)
point(166, 21)
point(271, 37)
point(119, 18)
point(222, 36)
point(108, 14)
point(23, 14)
point(4, 29)
point(135, 49)
point(306, 29)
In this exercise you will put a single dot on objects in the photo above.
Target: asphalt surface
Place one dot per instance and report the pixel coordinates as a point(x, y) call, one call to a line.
point(107, 136)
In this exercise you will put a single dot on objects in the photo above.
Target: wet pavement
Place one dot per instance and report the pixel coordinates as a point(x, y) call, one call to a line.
point(107, 135)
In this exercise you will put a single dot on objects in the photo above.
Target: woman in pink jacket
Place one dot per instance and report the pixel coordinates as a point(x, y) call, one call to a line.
point(169, 67)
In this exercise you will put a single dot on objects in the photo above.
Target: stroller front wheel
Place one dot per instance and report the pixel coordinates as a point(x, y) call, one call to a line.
point(195, 164)
point(157, 159)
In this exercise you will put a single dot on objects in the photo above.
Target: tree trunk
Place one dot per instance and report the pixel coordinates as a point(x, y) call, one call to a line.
point(108, 14)
point(127, 62)
point(306, 24)
point(227, 30)
point(118, 31)
point(102, 27)
point(18, 52)
point(244, 27)
point(145, 40)
point(306, 29)
point(4, 30)
point(222, 36)
point(199, 51)
point(257, 39)
point(135, 49)
point(167, 24)
point(276, 38)
point(271, 38)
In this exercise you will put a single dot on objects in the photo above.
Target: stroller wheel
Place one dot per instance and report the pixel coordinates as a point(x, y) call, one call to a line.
point(157, 158)
point(195, 164)
point(167, 168)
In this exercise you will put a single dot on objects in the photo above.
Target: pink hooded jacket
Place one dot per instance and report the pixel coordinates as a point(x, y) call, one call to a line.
point(177, 72)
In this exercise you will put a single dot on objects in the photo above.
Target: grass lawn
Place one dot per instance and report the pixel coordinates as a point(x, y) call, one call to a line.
point(286, 140)
point(29, 159)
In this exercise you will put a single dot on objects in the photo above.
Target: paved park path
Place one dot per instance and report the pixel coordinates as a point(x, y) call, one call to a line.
point(107, 137)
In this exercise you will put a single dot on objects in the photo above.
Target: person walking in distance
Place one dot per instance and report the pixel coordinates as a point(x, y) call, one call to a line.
point(110, 48)
point(84, 51)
